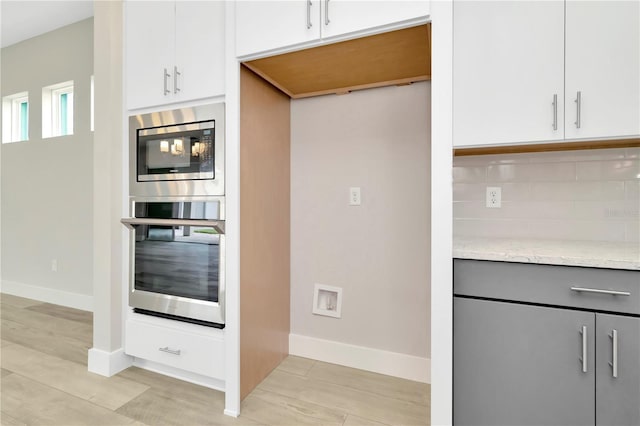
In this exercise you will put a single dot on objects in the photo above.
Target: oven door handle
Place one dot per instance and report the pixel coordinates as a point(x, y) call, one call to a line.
point(217, 225)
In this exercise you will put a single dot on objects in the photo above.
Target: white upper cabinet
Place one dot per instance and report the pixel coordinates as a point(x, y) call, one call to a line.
point(603, 65)
point(174, 51)
point(346, 16)
point(507, 72)
point(537, 71)
point(267, 25)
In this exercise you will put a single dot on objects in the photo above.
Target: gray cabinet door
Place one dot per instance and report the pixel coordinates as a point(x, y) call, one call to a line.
point(617, 398)
point(518, 364)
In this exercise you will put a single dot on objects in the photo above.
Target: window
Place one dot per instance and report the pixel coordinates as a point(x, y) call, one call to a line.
point(57, 110)
point(15, 118)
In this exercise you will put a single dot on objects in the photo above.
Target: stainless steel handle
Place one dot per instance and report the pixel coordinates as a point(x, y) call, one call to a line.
point(555, 112)
point(584, 348)
point(578, 102)
point(176, 89)
point(218, 225)
point(614, 350)
point(166, 75)
point(309, 4)
point(326, 12)
point(170, 351)
point(599, 291)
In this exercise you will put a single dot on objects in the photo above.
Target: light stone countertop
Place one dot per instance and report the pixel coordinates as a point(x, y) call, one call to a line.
point(596, 254)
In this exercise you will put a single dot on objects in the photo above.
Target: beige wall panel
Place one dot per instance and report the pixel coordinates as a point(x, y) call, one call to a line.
point(264, 229)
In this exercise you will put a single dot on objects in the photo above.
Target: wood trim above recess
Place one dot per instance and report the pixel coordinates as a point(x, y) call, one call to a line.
point(392, 58)
point(547, 147)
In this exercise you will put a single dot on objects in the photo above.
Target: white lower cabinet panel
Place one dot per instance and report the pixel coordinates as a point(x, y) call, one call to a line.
point(195, 352)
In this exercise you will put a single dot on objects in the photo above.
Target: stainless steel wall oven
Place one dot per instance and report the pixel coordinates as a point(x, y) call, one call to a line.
point(177, 260)
point(177, 227)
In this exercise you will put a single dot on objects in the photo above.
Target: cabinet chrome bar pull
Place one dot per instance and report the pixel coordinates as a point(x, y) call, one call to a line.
point(599, 291)
point(555, 111)
point(309, 4)
point(166, 76)
point(584, 348)
point(176, 89)
point(326, 12)
point(170, 351)
point(614, 351)
point(578, 102)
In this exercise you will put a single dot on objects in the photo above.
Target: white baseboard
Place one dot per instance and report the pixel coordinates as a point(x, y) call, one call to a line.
point(108, 363)
point(378, 361)
point(48, 295)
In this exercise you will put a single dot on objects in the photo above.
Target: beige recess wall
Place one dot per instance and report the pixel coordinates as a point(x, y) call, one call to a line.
point(47, 189)
point(264, 229)
point(378, 140)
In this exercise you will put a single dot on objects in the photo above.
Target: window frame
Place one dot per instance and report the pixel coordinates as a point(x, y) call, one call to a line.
point(15, 118)
point(58, 110)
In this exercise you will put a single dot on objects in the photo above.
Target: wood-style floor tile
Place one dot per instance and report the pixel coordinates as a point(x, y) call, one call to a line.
point(296, 365)
point(46, 341)
point(18, 302)
point(359, 421)
point(47, 323)
point(174, 388)
point(58, 311)
point(28, 402)
point(70, 377)
point(275, 409)
point(158, 408)
point(7, 420)
point(363, 404)
point(44, 381)
point(388, 386)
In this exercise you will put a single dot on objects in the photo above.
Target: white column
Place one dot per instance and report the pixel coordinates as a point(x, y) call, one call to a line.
point(441, 213)
point(109, 178)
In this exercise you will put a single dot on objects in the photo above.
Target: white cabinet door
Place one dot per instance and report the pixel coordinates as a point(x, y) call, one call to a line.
point(603, 64)
point(199, 56)
point(149, 49)
point(267, 25)
point(346, 16)
point(508, 61)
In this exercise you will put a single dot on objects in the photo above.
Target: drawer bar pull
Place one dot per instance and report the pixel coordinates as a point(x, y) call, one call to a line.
point(599, 291)
point(170, 351)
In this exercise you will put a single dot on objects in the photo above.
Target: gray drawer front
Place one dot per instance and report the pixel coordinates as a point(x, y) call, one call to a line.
point(548, 284)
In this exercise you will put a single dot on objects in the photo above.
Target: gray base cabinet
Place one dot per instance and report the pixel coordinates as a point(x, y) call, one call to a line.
point(617, 389)
point(520, 365)
point(522, 361)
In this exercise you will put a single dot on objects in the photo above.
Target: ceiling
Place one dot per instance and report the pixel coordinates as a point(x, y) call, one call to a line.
point(24, 19)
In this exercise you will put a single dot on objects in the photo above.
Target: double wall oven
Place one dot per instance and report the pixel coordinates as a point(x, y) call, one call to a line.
point(177, 214)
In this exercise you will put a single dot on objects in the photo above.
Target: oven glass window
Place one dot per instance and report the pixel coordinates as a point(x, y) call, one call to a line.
point(184, 155)
point(177, 261)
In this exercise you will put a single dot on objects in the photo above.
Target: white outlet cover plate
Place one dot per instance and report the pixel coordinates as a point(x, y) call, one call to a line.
point(494, 197)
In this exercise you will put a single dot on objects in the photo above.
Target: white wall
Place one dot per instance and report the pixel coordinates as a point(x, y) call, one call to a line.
point(576, 195)
point(47, 183)
point(376, 139)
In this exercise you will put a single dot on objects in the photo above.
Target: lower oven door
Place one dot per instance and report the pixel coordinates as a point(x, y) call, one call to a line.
point(177, 268)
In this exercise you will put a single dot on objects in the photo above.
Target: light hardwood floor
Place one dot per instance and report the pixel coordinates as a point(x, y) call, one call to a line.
point(44, 381)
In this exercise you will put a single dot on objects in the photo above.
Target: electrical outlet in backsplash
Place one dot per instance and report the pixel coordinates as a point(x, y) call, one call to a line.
point(577, 195)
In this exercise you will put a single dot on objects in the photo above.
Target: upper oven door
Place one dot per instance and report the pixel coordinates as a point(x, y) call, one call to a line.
point(173, 154)
point(181, 152)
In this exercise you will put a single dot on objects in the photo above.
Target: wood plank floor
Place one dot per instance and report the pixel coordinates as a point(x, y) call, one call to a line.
point(44, 381)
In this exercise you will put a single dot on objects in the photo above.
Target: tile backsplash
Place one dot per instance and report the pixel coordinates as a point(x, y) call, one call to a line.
point(577, 195)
